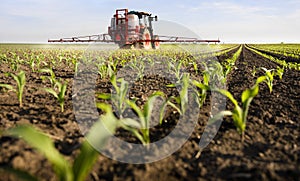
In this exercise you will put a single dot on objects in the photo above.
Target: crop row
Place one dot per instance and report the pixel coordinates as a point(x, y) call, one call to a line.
point(283, 50)
point(194, 76)
point(282, 62)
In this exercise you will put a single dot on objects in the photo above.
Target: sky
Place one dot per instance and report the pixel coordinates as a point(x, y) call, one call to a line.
point(232, 21)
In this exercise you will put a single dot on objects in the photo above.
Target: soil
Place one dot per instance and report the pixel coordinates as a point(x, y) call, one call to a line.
point(270, 150)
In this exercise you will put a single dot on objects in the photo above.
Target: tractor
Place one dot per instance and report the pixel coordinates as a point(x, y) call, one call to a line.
point(133, 29)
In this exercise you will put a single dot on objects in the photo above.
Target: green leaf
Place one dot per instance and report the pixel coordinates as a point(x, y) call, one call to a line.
point(105, 107)
point(113, 81)
point(200, 85)
point(84, 161)
point(51, 91)
point(158, 93)
point(269, 74)
point(21, 77)
point(123, 91)
point(104, 96)
point(206, 77)
point(138, 111)
point(46, 70)
point(135, 132)
point(260, 79)
point(102, 130)
point(171, 85)
point(249, 93)
point(148, 109)
point(162, 111)
point(228, 95)
point(177, 99)
point(62, 91)
point(44, 144)
point(131, 122)
point(175, 107)
point(7, 86)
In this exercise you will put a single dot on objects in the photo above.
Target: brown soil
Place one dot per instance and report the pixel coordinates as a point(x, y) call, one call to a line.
point(270, 150)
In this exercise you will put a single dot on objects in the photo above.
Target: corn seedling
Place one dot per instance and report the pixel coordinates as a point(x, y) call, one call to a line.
point(280, 71)
point(14, 66)
point(3, 58)
point(64, 170)
point(239, 114)
point(144, 118)
point(140, 128)
point(60, 96)
point(32, 64)
point(51, 78)
point(195, 66)
point(182, 99)
point(269, 77)
point(105, 70)
point(175, 68)
point(230, 62)
point(138, 67)
point(204, 88)
point(214, 71)
point(119, 98)
point(20, 79)
point(212, 77)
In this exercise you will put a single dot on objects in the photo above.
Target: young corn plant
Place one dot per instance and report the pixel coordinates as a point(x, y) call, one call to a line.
point(14, 66)
point(58, 91)
point(105, 70)
point(119, 97)
point(65, 170)
point(204, 86)
point(3, 58)
point(51, 78)
point(32, 64)
point(269, 78)
point(229, 63)
point(175, 68)
point(138, 65)
point(20, 79)
point(212, 77)
point(139, 128)
point(239, 114)
point(143, 126)
point(280, 72)
point(182, 99)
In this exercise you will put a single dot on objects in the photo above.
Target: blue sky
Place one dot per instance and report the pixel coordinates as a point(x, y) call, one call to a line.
point(232, 21)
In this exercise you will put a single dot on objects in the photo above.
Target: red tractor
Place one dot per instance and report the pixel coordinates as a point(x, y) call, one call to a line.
point(133, 29)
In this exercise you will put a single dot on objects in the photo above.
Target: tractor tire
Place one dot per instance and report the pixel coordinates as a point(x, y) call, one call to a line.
point(155, 44)
point(145, 35)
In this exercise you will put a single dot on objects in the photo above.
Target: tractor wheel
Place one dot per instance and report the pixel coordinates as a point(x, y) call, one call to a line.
point(155, 44)
point(146, 36)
